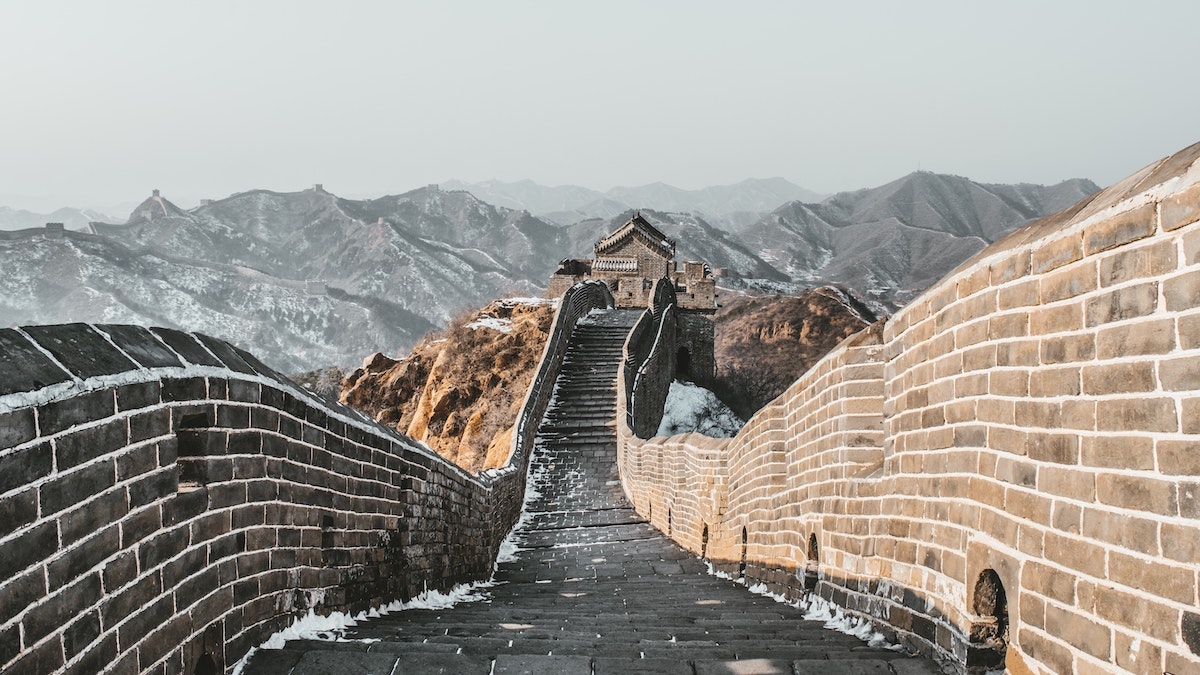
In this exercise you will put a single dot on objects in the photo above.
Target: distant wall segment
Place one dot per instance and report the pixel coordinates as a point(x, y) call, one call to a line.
point(166, 497)
point(1009, 462)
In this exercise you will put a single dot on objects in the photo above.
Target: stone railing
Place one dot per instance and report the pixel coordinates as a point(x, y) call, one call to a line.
point(648, 363)
point(1006, 471)
point(574, 305)
point(167, 502)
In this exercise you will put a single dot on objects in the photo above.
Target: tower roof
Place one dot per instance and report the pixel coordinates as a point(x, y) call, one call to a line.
point(639, 228)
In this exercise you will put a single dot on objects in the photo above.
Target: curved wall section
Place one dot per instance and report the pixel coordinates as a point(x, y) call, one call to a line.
point(1004, 472)
point(167, 500)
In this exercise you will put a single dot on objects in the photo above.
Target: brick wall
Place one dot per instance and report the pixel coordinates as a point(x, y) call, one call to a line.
point(164, 496)
point(1029, 423)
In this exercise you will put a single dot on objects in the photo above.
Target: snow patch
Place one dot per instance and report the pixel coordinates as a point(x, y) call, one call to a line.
point(491, 322)
point(690, 407)
point(817, 608)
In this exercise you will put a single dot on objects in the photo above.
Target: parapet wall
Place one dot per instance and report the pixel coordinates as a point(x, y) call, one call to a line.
point(167, 502)
point(1013, 460)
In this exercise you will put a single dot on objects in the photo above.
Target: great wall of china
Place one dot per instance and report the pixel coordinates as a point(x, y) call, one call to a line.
point(1007, 468)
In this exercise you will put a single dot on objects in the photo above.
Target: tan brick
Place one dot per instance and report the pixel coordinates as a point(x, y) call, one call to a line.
point(1027, 505)
point(1189, 500)
point(1079, 414)
point(1127, 302)
point(1032, 612)
point(1011, 267)
point(1137, 655)
point(1147, 337)
point(1048, 581)
point(970, 436)
point(1180, 209)
point(1017, 353)
point(996, 410)
point(1137, 493)
point(1119, 378)
point(1078, 631)
point(1067, 348)
point(1120, 229)
point(973, 282)
point(1152, 618)
point(1178, 457)
point(1016, 472)
point(1024, 294)
point(1057, 657)
point(1068, 283)
point(1189, 331)
point(1031, 540)
point(1056, 319)
point(1067, 517)
point(1057, 253)
point(1067, 482)
point(1011, 325)
point(1057, 448)
point(1137, 414)
point(1118, 452)
point(1151, 576)
point(986, 491)
point(1040, 414)
point(1050, 382)
point(1154, 260)
point(1191, 247)
point(971, 334)
point(1182, 292)
point(1009, 382)
point(1181, 542)
point(1191, 415)
point(1131, 532)
point(1181, 662)
point(1182, 374)
point(1076, 554)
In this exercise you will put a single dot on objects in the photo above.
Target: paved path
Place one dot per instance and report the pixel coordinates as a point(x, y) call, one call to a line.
point(595, 589)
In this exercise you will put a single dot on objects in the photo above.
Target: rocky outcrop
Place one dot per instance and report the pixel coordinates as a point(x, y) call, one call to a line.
point(764, 343)
point(459, 390)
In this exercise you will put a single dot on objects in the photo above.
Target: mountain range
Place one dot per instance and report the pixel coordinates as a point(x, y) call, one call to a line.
point(72, 219)
point(308, 279)
point(726, 205)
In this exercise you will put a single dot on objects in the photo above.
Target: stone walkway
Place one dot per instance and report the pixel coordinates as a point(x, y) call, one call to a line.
point(595, 589)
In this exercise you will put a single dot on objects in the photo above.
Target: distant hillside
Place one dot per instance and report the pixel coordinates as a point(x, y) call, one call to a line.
point(891, 242)
point(567, 204)
point(72, 219)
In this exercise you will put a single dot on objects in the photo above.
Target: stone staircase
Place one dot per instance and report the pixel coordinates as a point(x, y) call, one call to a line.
point(594, 589)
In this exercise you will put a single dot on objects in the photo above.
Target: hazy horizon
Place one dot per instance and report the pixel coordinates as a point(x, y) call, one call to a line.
point(109, 102)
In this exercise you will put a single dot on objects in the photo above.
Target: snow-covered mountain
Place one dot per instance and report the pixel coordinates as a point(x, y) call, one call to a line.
point(891, 242)
point(308, 279)
point(567, 204)
point(72, 219)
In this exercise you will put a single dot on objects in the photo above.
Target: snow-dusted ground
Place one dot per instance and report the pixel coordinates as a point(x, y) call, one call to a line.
point(691, 407)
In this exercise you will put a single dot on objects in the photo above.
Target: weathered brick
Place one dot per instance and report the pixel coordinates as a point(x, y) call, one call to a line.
point(1165, 581)
point(1079, 414)
point(1067, 348)
point(1137, 414)
point(69, 565)
point(66, 490)
point(1177, 457)
point(1182, 292)
point(1181, 542)
point(1057, 448)
point(1080, 632)
point(1024, 294)
point(1118, 452)
point(22, 467)
point(1055, 254)
point(150, 424)
point(1067, 482)
point(1180, 209)
point(51, 615)
point(1076, 554)
point(138, 395)
point(59, 415)
point(1017, 353)
point(16, 427)
point(1127, 302)
point(17, 510)
point(1119, 378)
point(1051, 382)
point(1067, 283)
point(1009, 382)
point(1056, 319)
point(1155, 619)
point(1054, 654)
point(1147, 337)
point(1131, 532)
point(1120, 229)
point(87, 444)
point(1144, 262)
point(1190, 414)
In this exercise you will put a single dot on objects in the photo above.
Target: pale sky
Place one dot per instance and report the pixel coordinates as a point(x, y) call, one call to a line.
point(103, 101)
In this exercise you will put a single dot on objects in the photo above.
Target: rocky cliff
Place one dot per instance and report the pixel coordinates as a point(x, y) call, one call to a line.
point(460, 389)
